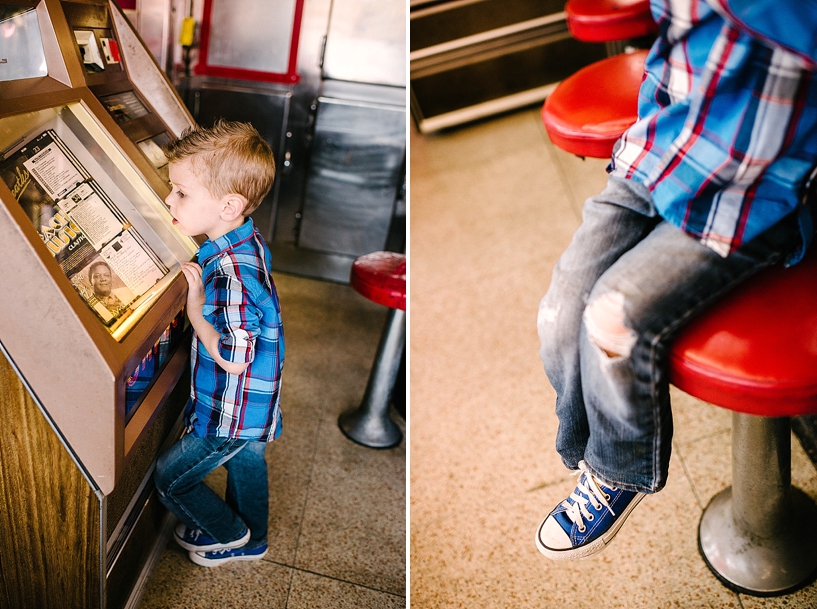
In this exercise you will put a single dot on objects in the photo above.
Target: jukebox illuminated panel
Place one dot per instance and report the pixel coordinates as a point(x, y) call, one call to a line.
point(101, 225)
point(79, 192)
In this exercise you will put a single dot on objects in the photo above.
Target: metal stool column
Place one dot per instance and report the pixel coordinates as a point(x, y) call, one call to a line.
point(380, 277)
point(758, 536)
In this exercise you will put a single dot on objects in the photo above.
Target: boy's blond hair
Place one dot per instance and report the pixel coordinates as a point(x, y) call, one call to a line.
point(229, 157)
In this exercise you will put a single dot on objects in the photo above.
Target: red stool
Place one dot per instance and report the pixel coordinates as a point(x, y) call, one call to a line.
point(589, 110)
point(609, 20)
point(755, 353)
point(380, 277)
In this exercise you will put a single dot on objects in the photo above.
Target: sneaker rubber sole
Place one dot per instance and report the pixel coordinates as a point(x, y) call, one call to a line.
point(590, 548)
point(201, 558)
point(237, 543)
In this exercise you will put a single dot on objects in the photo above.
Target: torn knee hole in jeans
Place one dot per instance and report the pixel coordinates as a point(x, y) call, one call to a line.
point(604, 320)
point(546, 317)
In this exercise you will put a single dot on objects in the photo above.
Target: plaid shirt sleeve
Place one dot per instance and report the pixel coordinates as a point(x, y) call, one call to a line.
point(231, 313)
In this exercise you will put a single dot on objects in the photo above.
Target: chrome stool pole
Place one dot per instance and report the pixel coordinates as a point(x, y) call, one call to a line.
point(370, 424)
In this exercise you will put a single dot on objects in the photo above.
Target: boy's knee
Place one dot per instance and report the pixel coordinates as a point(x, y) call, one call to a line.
point(604, 320)
point(548, 327)
point(159, 479)
point(546, 317)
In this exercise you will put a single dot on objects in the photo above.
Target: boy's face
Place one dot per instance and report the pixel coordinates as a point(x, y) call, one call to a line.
point(195, 211)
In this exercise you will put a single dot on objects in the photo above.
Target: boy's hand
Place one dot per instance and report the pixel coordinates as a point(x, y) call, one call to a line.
point(195, 290)
point(207, 334)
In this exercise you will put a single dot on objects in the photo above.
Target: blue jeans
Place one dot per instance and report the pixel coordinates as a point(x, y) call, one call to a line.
point(622, 290)
point(179, 479)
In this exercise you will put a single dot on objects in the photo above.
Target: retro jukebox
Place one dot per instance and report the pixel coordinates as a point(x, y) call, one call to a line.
point(93, 349)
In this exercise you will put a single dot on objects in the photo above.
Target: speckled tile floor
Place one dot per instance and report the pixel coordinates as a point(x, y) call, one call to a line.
point(492, 207)
point(337, 528)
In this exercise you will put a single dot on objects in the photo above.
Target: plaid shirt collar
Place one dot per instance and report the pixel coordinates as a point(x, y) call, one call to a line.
point(235, 237)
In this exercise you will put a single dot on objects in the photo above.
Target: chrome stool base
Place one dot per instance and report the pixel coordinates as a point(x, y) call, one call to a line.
point(759, 567)
point(372, 432)
point(759, 536)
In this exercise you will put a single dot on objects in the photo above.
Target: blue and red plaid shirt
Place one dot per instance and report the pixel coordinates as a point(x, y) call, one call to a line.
point(242, 304)
point(727, 129)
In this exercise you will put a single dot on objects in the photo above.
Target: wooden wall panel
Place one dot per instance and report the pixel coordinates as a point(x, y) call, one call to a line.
point(49, 515)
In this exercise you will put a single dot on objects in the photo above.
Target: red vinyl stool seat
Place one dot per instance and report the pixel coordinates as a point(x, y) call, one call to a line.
point(589, 110)
point(380, 277)
point(755, 353)
point(609, 20)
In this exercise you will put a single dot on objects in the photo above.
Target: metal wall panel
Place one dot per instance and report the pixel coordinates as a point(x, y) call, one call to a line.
point(356, 167)
point(251, 35)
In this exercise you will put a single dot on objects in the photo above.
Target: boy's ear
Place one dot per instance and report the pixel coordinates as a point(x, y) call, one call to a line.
point(233, 207)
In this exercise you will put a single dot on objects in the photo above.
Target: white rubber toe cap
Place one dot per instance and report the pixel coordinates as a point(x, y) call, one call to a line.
point(553, 536)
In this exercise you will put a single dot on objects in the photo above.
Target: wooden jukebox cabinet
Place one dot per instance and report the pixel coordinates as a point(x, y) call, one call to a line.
point(93, 356)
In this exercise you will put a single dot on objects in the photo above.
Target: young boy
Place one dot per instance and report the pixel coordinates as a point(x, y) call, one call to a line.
point(219, 176)
point(703, 192)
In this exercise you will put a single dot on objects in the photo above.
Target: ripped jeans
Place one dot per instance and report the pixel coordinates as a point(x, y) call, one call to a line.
point(619, 294)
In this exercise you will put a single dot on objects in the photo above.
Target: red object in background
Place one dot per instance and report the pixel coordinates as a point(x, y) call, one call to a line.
point(587, 113)
point(289, 77)
point(381, 277)
point(113, 48)
point(608, 20)
point(589, 110)
point(127, 5)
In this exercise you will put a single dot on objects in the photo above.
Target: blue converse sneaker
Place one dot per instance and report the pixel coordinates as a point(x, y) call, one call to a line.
point(220, 557)
point(584, 523)
point(196, 541)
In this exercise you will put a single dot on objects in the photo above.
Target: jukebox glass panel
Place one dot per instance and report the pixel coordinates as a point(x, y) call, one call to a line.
point(21, 46)
point(109, 232)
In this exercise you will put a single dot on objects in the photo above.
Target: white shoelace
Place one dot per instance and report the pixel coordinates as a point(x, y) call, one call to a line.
point(587, 492)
